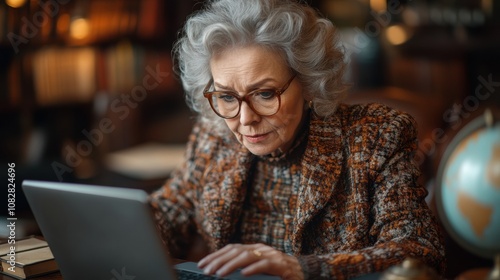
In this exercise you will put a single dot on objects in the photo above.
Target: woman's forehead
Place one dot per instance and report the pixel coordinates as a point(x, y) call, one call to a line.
point(250, 62)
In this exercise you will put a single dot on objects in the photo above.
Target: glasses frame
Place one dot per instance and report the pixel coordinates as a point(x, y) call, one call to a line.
point(208, 95)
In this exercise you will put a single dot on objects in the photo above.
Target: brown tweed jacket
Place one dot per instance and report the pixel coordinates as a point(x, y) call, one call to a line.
point(359, 209)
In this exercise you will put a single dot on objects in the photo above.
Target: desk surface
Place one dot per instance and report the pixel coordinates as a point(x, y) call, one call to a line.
point(58, 276)
point(52, 276)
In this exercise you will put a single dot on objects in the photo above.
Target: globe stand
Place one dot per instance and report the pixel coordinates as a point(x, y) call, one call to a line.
point(483, 273)
point(410, 269)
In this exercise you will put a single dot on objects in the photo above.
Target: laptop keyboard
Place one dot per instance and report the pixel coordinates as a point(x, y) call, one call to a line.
point(190, 270)
point(189, 275)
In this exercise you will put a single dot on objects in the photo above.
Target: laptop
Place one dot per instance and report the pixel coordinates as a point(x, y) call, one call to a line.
point(105, 233)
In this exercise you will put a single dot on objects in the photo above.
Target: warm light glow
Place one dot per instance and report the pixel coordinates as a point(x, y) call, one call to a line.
point(396, 35)
point(487, 6)
point(15, 3)
point(411, 17)
point(378, 5)
point(63, 24)
point(79, 28)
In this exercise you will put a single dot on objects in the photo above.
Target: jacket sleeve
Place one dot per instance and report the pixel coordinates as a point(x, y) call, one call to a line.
point(402, 224)
point(174, 203)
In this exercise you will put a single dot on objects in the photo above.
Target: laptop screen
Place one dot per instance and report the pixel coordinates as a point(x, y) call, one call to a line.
point(98, 232)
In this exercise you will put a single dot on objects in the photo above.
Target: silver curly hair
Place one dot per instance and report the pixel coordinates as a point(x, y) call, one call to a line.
point(308, 42)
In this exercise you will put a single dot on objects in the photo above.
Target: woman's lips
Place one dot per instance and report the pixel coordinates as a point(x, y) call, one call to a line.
point(256, 138)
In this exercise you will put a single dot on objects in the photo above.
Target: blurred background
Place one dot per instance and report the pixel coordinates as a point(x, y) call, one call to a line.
point(87, 91)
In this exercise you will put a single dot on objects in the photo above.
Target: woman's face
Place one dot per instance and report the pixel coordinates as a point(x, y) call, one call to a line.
point(244, 69)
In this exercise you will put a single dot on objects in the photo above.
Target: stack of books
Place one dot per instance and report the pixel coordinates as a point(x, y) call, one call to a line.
point(26, 258)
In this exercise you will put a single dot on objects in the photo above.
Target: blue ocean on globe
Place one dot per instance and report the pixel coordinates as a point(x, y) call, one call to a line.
point(471, 189)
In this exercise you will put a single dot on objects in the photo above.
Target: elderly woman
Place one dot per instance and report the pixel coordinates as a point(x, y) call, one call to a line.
point(279, 176)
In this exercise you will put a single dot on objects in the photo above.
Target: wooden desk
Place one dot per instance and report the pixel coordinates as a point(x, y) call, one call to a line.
point(52, 276)
point(58, 276)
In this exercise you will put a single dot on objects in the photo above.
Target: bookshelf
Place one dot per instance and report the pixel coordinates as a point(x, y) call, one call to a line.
point(73, 70)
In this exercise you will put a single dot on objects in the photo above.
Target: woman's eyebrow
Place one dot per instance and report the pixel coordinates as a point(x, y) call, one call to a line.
point(223, 87)
point(250, 87)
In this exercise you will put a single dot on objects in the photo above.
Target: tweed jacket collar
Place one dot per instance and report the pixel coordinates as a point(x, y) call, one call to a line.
point(225, 193)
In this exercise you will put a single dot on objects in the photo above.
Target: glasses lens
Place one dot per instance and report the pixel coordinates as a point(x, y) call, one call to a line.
point(225, 104)
point(265, 102)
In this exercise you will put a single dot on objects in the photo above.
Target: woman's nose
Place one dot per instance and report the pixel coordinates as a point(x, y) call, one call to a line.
point(247, 115)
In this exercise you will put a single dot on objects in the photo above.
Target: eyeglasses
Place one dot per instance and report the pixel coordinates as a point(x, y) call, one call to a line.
point(227, 104)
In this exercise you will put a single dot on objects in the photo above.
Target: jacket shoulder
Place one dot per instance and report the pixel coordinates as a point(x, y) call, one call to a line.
point(372, 113)
point(375, 119)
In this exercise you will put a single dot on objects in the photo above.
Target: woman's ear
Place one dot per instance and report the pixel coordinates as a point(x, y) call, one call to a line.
point(308, 104)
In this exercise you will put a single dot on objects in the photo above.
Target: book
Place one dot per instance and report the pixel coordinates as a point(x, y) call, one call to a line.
point(21, 245)
point(27, 258)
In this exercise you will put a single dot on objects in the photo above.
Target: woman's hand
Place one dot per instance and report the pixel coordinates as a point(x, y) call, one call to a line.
point(253, 259)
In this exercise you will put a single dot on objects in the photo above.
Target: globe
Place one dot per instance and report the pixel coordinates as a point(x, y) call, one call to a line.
point(468, 190)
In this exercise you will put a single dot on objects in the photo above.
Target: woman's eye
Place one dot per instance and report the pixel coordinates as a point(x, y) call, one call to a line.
point(227, 98)
point(268, 94)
